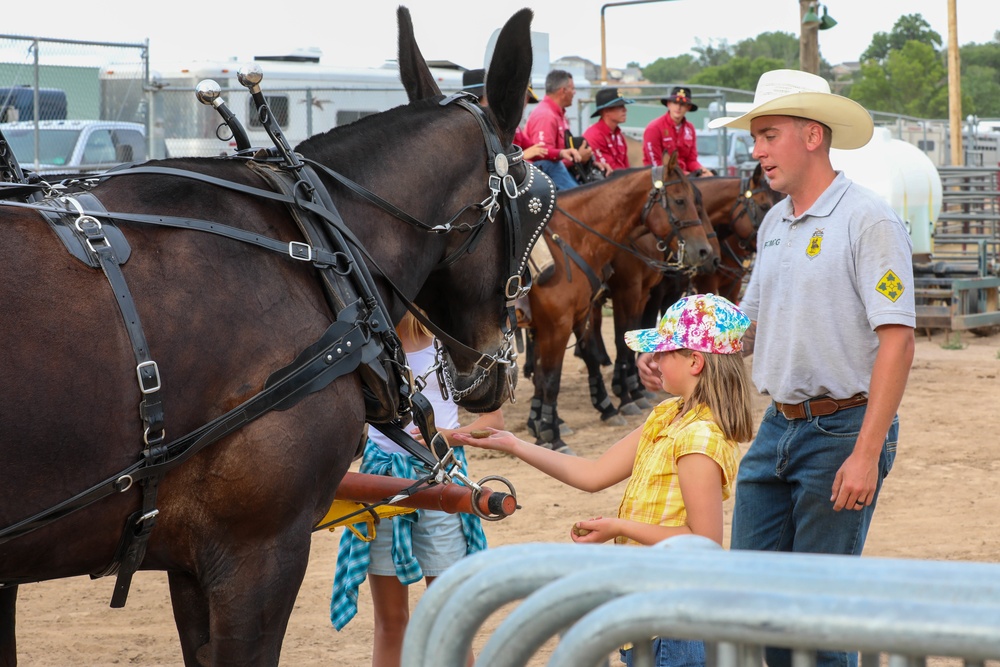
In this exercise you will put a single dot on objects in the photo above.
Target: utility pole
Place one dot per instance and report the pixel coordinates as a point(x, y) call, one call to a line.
point(954, 88)
point(809, 40)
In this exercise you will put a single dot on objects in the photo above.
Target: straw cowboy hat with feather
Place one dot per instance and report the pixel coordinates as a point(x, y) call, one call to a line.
point(787, 92)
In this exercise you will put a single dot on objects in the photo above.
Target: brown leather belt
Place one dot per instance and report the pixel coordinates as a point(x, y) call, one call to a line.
point(819, 407)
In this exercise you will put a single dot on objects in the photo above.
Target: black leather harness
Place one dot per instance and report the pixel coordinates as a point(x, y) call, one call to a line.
point(361, 337)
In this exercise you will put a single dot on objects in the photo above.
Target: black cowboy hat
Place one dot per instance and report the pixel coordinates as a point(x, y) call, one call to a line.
point(472, 81)
point(607, 98)
point(680, 94)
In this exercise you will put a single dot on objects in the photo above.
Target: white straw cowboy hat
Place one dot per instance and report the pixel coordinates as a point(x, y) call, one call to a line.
point(789, 92)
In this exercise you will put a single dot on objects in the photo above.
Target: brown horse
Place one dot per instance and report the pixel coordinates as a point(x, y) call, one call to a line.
point(734, 208)
point(590, 224)
point(227, 321)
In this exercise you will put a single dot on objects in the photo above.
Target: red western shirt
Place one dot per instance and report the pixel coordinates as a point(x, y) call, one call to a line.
point(663, 136)
point(608, 145)
point(547, 123)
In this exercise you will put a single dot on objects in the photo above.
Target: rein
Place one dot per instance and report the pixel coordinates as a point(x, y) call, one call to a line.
point(652, 263)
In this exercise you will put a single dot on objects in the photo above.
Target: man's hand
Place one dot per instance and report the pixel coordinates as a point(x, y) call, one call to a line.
point(531, 152)
point(586, 152)
point(570, 154)
point(605, 167)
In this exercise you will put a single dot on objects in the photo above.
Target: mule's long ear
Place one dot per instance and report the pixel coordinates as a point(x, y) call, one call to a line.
point(413, 71)
point(508, 74)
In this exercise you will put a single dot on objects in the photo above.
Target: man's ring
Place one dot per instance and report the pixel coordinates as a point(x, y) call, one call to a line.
point(859, 502)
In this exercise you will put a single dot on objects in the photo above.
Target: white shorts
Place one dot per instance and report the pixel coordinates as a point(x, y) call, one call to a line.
point(438, 543)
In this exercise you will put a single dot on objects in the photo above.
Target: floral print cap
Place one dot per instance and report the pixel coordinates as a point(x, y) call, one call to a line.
point(702, 322)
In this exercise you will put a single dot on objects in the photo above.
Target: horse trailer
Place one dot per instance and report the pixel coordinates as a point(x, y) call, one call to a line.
point(304, 97)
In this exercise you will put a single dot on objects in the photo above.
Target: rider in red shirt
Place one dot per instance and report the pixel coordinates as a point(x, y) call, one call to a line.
point(673, 132)
point(605, 136)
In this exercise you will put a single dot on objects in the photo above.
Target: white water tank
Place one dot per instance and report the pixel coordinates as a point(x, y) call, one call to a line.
point(904, 176)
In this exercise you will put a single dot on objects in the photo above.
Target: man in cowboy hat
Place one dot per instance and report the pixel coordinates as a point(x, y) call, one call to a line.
point(605, 136)
point(831, 299)
point(674, 132)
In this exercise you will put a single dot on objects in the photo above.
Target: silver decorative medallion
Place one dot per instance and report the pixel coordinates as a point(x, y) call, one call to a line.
point(500, 163)
point(535, 205)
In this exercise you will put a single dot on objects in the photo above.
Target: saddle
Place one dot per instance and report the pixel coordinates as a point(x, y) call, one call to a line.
point(583, 172)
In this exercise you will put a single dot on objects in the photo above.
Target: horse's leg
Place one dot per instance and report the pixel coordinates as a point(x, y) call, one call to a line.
point(598, 392)
point(633, 394)
point(8, 641)
point(191, 617)
point(251, 593)
point(543, 417)
point(600, 351)
point(529, 352)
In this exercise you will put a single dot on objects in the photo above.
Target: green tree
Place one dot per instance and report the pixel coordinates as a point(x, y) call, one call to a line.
point(714, 53)
point(981, 91)
point(783, 46)
point(671, 70)
point(739, 72)
point(911, 81)
point(908, 28)
point(981, 78)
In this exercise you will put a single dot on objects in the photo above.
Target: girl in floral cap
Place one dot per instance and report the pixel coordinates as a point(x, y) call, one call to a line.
point(681, 464)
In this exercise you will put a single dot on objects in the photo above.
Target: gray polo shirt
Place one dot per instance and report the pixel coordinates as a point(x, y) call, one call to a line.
point(821, 284)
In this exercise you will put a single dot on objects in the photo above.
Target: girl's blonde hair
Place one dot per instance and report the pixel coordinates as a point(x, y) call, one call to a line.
point(412, 329)
point(724, 386)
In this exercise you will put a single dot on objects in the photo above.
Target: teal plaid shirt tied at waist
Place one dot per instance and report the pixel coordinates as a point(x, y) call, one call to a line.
point(353, 557)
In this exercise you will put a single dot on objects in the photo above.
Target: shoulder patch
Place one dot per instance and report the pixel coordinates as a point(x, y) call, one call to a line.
point(890, 286)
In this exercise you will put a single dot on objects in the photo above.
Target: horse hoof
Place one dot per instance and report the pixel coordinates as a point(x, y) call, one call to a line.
point(564, 429)
point(630, 409)
point(642, 404)
point(614, 420)
point(649, 395)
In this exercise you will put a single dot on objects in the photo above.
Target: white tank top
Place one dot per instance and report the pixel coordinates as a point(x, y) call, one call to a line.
point(445, 411)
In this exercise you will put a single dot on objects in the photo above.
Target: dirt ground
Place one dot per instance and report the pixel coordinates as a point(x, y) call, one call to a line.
point(938, 503)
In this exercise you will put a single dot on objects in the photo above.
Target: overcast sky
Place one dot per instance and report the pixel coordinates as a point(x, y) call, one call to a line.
point(363, 32)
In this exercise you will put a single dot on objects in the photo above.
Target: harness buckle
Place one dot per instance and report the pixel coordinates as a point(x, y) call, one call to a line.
point(514, 289)
point(154, 377)
point(300, 251)
point(509, 187)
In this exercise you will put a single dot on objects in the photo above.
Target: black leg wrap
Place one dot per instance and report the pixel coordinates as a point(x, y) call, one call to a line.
point(534, 413)
point(599, 398)
point(547, 424)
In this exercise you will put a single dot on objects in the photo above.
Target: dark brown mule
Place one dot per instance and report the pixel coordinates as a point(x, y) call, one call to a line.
point(236, 518)
point(736, 207)
point(663, 200)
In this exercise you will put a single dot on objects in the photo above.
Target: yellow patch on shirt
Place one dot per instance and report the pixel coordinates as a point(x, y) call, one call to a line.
point(890, 286)
point(815, 244)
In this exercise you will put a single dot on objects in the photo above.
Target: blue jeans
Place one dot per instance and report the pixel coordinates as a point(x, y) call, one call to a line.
point(673, 653)
point(783, 495)
point(557, 171)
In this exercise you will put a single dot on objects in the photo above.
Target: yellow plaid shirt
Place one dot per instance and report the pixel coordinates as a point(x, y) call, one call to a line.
point(653, 494)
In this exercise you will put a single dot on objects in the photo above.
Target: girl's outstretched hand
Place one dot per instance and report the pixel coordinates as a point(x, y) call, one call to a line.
point(488, 438)
point(594, 531)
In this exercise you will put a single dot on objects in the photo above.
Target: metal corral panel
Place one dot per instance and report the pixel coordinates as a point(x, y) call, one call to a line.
point(598, 597)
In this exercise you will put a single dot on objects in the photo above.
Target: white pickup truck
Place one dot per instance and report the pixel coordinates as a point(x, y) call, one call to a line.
point(75, 146)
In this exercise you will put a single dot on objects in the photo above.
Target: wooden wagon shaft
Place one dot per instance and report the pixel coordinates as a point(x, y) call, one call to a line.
point(452, 498)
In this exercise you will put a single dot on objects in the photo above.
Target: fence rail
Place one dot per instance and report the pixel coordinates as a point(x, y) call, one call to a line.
point(599, 597)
